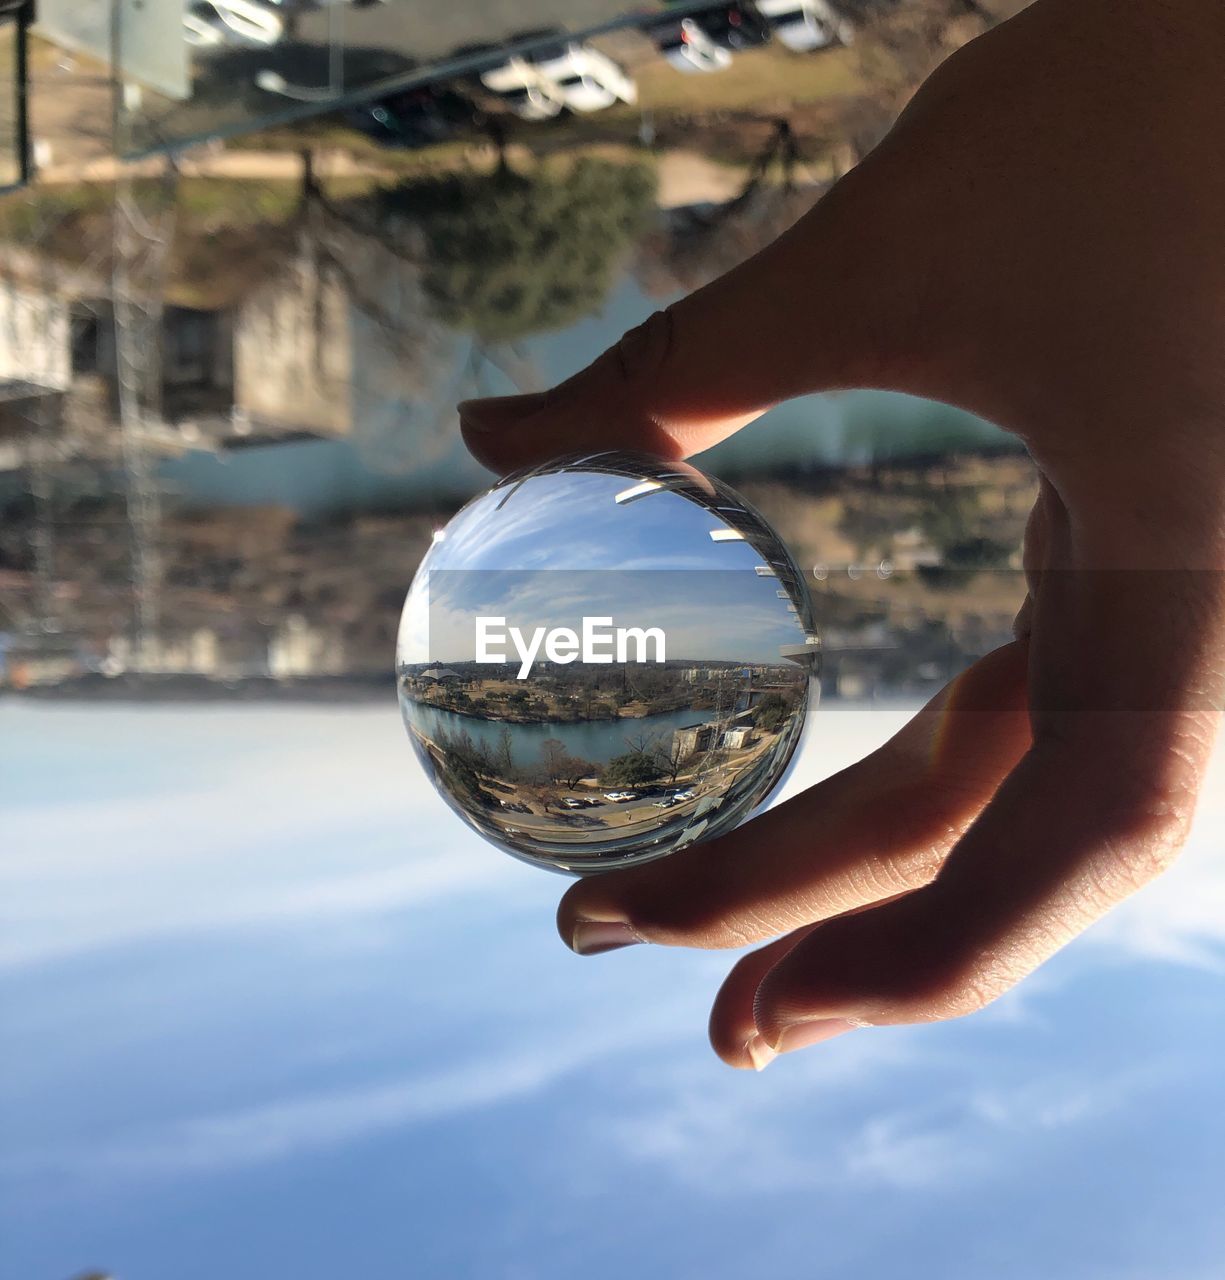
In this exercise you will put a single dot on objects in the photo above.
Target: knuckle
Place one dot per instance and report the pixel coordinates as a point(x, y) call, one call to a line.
point(1139, 848)
point(885, 876)
point(696, 919)
point(1140, 807)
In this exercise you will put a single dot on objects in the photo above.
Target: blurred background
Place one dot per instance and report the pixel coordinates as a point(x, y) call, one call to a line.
point(270, 1009)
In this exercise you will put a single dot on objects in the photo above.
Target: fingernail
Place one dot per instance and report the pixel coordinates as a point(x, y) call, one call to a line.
point(799, 1035)
point(591, 937)
point(759, 1052)
point(497, 412)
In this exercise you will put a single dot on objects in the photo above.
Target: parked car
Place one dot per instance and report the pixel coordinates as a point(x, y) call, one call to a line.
point(213, 23)
point(619, 797)
point(687, 794)
point(528, 93)
point(666, 803)
point(804, 25)
point(735, 26)
point(587, 79)
point(688, 48)
point(417, 117)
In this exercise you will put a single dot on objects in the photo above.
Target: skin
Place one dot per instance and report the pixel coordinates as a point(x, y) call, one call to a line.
point(1041, 240)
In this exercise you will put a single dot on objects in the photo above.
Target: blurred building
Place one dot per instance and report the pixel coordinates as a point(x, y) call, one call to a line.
point(191, 653)
point(299, 649)
point(273, 365)
point(44, 660)
point(35, 343)
point(293, 352)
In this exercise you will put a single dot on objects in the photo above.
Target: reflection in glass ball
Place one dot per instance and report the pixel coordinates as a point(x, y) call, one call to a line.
point(604, 659)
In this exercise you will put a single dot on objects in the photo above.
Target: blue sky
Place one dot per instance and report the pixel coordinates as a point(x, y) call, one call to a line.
point(273, 1011)
point(715, 615)
point(558, 547)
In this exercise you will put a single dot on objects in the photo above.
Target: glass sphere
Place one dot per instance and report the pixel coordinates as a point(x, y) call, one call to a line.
point(604, 659)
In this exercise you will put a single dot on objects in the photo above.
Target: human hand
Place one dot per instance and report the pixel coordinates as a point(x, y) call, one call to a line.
point(1039, 240)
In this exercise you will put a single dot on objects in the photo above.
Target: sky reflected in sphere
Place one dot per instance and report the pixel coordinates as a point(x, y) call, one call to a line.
point(605, 659)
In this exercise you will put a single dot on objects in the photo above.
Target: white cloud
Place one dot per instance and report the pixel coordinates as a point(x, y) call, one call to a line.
point(906, 1151)
point(296, 1125)
point(337, 822)
point(291, 816)
point(734, 1134)
point(86, 924)
point(284, 1129)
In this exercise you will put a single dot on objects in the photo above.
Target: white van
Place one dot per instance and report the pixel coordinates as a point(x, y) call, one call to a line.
point(803, 25)
point(587, 79)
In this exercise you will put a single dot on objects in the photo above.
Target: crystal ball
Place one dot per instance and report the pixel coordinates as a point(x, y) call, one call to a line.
point(604, 659)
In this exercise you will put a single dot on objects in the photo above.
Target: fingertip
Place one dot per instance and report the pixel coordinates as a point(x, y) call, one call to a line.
point(734, 1034)
point(566, 916)
point(493, 414)
point(739, 1047)
point(497, 430)
point(590, 928)
point(796, 1004)
point(478, 445)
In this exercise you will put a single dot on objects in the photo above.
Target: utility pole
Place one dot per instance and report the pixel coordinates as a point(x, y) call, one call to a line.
point(142, 234)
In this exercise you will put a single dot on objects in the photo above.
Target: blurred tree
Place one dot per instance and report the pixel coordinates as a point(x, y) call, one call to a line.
point(510, 254)
point(978, 553)
point(949, 517)
point(940, 577)
point(868, 526)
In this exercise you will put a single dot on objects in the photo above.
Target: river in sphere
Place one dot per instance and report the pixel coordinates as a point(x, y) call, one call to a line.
point(598, 741)
point(604, 659)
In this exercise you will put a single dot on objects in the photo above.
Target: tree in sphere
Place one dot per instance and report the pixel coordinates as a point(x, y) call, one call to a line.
point(631, 770)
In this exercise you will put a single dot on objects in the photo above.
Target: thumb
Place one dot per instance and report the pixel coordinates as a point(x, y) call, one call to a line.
point(832, 303)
